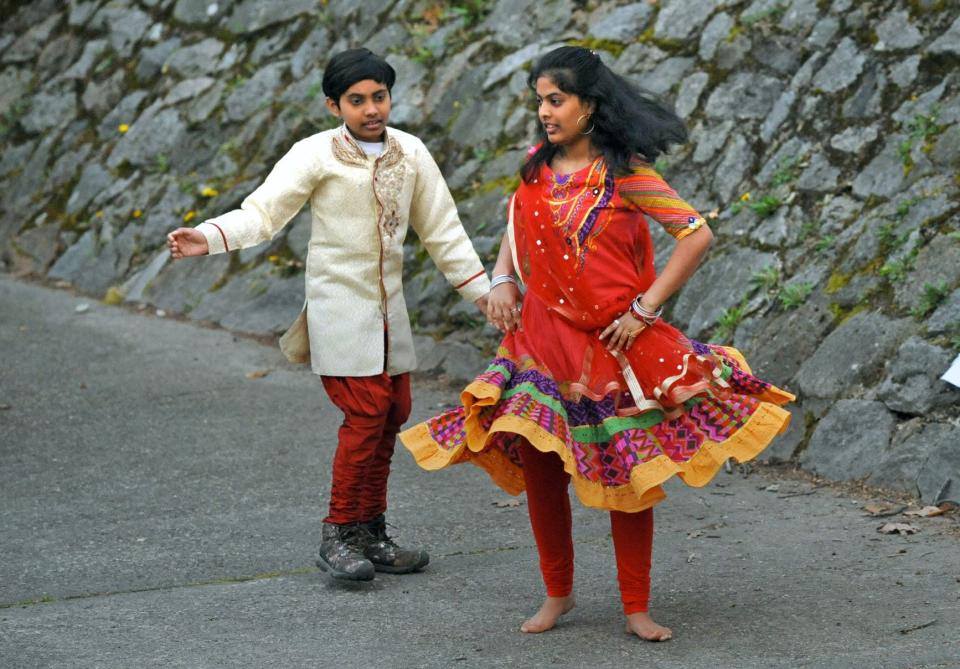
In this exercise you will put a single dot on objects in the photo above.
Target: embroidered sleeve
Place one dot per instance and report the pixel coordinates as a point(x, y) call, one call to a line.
point(433, 215)
point(646, 190)
point(271, 206)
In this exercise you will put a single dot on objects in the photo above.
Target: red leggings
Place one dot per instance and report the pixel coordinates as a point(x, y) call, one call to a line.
point(374, 408)
point(550, 519)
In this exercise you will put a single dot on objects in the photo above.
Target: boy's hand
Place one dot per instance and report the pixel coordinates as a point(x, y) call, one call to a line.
point(481, 303)
point(184, 242)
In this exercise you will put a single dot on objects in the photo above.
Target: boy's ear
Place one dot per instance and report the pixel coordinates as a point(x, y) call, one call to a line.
point(333, 107)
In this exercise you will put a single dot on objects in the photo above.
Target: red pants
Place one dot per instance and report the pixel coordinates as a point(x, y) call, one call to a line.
point(374, 408)
point(549, 506)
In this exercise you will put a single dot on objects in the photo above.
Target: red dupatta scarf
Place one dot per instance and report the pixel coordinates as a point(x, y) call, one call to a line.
point(554, 226)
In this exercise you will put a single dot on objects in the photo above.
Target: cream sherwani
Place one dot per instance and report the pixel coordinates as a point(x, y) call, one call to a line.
point(361, 207)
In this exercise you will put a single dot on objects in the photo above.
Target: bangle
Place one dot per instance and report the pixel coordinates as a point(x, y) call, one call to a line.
point(644, 314)
point(501, 279)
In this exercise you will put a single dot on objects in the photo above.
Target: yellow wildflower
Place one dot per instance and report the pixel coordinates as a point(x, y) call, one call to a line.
point(273, 259)
point(122, 128)
point(745, 197)
point(209, 192)
point(189, 216)
point(99, 214)
point(137, 213)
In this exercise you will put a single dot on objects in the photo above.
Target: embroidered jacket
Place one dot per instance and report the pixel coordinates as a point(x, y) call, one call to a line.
point(361, 206)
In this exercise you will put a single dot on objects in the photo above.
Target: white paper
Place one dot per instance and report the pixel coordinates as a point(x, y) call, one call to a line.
point(952, 375)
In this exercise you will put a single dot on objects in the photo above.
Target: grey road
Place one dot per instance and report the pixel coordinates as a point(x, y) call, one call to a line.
point(160, 508)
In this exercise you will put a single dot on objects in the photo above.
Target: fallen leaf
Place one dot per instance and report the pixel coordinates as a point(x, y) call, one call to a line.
point(882, 509)
point(774, 487)
point(692, 557)
point(5, 407)
point(82, 308)
point(898, 528)
point(259, 374)
point(925, 512)
point(507, 503)
point(696, 534)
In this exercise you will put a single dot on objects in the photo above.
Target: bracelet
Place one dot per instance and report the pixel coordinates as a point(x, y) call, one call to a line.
point(501, 279)
point(644, 314)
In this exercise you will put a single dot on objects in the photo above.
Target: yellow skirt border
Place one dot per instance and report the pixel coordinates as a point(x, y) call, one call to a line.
point(645, 487)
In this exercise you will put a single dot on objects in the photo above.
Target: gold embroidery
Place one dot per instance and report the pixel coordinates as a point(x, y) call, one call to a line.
point(388, 173)
point(347, 152)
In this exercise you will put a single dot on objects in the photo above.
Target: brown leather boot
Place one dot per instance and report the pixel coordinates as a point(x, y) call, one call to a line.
point(341, 552)
point(384, 553)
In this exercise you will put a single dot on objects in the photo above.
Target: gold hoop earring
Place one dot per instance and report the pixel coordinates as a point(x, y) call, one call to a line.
point(592, 125)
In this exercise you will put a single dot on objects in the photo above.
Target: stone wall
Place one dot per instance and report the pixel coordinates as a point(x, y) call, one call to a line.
point(825, 147)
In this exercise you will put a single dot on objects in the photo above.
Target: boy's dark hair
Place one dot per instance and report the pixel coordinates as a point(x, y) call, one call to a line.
point(626, 122)
point(353, 65)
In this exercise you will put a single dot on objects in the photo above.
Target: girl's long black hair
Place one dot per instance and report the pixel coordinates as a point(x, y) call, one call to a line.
point(626, 121)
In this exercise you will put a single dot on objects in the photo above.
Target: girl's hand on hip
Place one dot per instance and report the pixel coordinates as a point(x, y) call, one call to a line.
point(184, 242)
point(503, 307)
point(621, 333)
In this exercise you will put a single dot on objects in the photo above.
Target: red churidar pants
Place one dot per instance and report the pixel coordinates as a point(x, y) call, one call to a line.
point(374, 408)
point(549, 506)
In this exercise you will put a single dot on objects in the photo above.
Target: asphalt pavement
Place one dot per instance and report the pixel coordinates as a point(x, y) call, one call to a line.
point(162, 485)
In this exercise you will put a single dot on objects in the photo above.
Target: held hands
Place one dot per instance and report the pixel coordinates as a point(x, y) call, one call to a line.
point(184, 242)
point(481, 303)
point(621, 333)
point(503, 307)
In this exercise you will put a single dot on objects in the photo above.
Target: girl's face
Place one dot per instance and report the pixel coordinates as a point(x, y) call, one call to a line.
point(564, 115)
point(365, 108)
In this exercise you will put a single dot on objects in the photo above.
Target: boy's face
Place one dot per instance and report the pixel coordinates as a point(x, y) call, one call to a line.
point(365, 108)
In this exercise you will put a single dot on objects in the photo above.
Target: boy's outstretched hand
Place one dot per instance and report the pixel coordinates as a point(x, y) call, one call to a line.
point(185, 242)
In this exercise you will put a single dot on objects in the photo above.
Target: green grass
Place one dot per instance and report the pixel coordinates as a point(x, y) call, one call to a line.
point(932, 297)
point(728, 322)
point(767, 279)
point(824, 244)
point(787, 171)
point(921, 128)
point(766, 206)
point(896, 270)
point(793, 295)
point(471, 11)
point(773, 13)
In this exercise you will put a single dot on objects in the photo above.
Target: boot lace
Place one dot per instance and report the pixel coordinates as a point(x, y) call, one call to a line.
point(354, 536)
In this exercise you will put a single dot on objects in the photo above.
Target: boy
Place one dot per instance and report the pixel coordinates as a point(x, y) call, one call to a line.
point(365, 183)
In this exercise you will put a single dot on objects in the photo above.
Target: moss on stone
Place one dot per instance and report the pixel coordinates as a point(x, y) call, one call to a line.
point(837, 281)
point(507, 184)
point(614, 47)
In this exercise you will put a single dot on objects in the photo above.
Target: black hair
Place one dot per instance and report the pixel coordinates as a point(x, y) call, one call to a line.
point(626, 121)
point(348, 67)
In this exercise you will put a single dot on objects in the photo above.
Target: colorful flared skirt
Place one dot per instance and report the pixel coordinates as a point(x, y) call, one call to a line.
point(615, 461)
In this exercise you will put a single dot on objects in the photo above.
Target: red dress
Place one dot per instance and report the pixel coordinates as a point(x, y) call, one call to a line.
point(622, 423)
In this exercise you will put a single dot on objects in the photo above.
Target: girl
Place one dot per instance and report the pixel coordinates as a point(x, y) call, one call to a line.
point(589, 383)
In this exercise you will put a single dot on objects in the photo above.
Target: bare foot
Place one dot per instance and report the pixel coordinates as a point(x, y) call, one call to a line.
point(549, 613)
point(644, 627)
